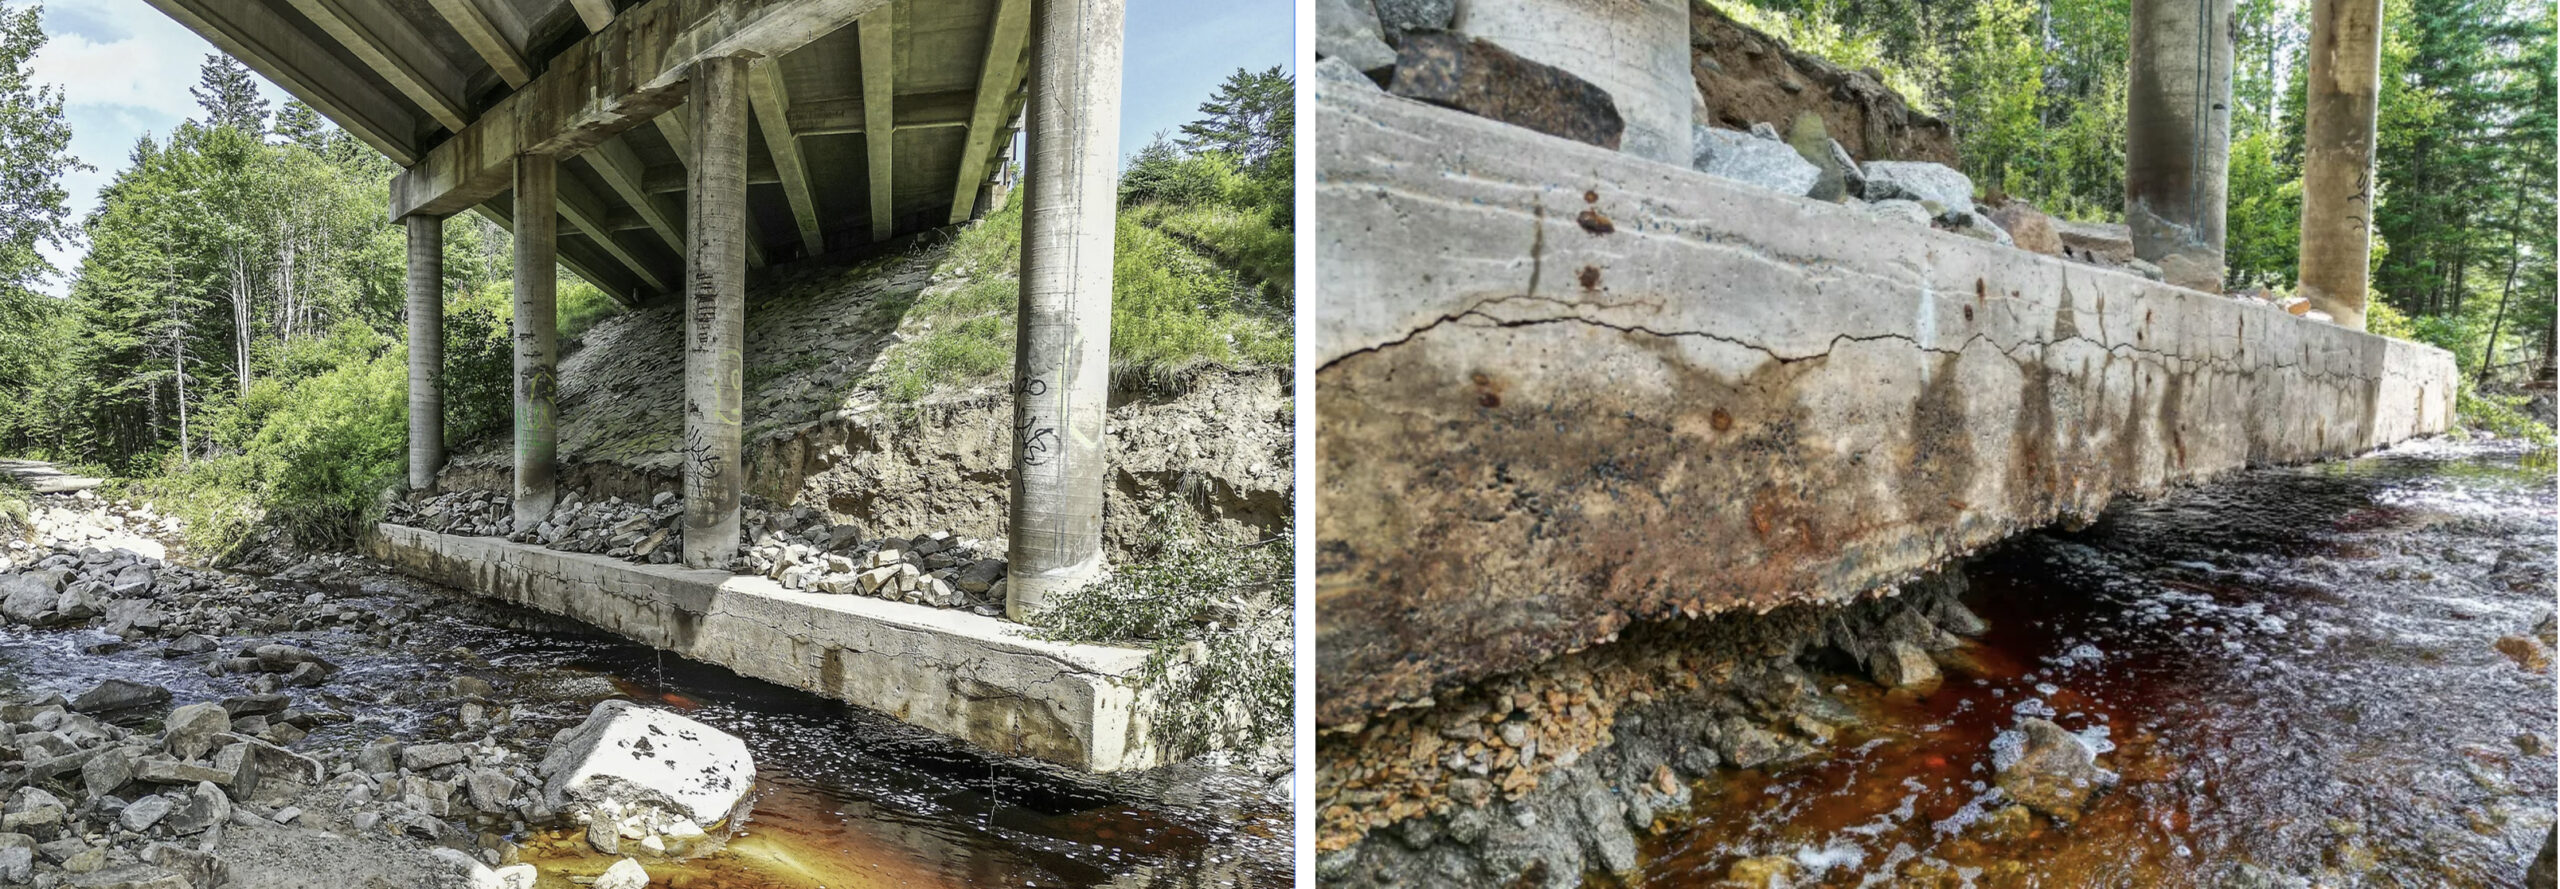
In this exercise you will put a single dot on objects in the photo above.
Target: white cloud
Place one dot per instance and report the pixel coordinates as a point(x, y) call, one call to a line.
point(124, 69)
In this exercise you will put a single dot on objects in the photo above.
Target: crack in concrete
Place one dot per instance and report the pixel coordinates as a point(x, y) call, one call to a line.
point(2179, 361)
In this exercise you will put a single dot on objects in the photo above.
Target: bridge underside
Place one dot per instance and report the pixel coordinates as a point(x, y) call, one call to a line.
point(1562, 389)
point(870, 119)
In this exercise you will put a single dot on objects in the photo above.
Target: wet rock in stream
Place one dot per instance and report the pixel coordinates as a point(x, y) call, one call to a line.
point(1541, 778)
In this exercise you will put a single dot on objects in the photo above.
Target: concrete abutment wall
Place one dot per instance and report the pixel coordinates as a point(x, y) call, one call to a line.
point(1562, 389)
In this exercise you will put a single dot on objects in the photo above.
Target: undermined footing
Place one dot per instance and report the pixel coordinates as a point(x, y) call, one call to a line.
point(1541, 777)
point(978, 679)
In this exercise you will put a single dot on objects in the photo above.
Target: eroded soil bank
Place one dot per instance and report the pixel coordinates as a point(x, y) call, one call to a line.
point(2329, 675)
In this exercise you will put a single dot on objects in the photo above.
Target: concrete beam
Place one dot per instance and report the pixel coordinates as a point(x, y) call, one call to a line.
point(1560, 389)
point(482, 32)
point(1062, 339)
point(851, 115)
point(586, 210)
point(499, 210)
point(879, 104)
point(537, 340)
point(715, 312)
point(680, 138)
point(772, 112)
point(999, 82)
point(426, 350)
point(595, 13)
point(982, 680)
point(621, 169)
point(614, 79)
point(265, 41)
point(394, 49)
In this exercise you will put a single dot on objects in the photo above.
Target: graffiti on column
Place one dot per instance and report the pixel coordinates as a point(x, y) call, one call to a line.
point(1035, 441)
point(701, 456)
point(2363, 195)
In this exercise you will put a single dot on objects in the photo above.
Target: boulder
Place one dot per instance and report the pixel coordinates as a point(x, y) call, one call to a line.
point(1899, 210)
point(1348, 30)
point(2028, 226)
point(1398, 16)
point(1901, 664)
point(1937, 186)
point(1841, 177)
point(2047, 768)
point(1481, 78)
point(191, 729)
point(432, 756)
point(1752, 161)
point(119, 698)
point(198, 811)
point(28, 597)
point(624, 874)
point(2109, 241)
point(634, 760)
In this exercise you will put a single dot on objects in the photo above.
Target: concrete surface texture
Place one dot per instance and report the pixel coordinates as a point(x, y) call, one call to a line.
point(979, 679)
point(1561, 389)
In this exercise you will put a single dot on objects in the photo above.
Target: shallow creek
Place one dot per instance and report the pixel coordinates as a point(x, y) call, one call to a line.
point(2293, 672)
point(846, 798)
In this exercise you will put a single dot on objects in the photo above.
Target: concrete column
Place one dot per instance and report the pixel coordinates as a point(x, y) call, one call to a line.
point(537, 383)
point(2337, 159)
point(715, 318)
point(2178, 137)
point(426, 350)
point(1638, 50)
point(1062, 347)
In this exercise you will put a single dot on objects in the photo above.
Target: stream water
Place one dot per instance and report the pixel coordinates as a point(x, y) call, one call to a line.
point(847, 798)
point(2294, 673)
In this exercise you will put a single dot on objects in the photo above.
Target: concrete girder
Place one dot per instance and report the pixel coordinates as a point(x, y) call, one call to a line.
point(772, 104)
point(585, 209)
point(994, 108)
point(879, 104)
point(617, 78)
point(849, 116)
point(621, 169)
point(501, 209)
point(596, 13)
point(486, 38)
point(265, 41)
point(679, 137)
point(393, 48)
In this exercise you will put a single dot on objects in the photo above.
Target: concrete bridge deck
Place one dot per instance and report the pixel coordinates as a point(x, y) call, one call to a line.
point(1562, 388)
point(871, 119)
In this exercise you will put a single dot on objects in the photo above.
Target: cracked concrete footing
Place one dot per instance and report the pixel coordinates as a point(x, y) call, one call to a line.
point(1561, 389)
point(978, 679)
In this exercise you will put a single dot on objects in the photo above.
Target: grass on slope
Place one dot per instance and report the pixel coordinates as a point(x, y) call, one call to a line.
point(1172, 309)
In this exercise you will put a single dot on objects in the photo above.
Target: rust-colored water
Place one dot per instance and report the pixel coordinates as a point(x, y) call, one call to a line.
point(2295, 671)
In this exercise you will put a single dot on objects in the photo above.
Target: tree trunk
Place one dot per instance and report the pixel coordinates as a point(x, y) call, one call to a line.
point(2515, 256)
point(240, 313)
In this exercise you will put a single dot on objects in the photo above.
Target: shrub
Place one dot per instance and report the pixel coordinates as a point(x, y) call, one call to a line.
point(1215, 618)
point(308, 455)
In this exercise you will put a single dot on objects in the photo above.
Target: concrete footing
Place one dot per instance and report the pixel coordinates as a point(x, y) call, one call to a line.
point(977, 679)
point(1561, 389)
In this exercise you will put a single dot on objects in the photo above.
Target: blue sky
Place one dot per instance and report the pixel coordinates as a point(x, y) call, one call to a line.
point(124, 69)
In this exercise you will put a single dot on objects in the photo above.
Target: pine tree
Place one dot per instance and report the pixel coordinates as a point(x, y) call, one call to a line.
point(1243, 119)
point(298, 124)
point(229, 96)
point(34, 211)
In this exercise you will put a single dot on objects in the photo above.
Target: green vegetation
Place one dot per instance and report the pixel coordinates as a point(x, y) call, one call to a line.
point(1216, 619)
point(2464, 195)
point(1201, 269)
point(231, 342)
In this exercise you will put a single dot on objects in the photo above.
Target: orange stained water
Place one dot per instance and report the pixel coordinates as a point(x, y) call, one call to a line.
point(2291, 670)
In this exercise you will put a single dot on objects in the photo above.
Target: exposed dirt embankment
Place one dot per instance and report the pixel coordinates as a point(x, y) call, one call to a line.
point(1750, 77)
point(1218, 443)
